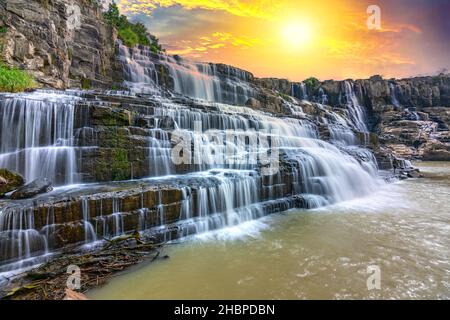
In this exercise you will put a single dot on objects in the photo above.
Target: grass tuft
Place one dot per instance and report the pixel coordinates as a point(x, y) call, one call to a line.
point(15, 80)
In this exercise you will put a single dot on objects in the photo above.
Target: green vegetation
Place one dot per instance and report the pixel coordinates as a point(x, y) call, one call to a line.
point(15, 80)
point(129, 38)
point(284, 96)
point(120, 167)
point(3, 29)
point(131, 34)
point(312, 83)
point(85, 84)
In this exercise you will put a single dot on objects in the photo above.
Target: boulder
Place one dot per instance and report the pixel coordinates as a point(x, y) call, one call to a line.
point(32, 189)
point(415, 173)
point(253, 103)
point(9, 181)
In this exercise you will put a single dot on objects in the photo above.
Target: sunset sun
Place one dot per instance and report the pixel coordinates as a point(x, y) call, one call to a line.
point(296, 34)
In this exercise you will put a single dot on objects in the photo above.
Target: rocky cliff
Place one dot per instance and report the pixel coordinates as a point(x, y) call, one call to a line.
point(410, 116)
point(62, 43)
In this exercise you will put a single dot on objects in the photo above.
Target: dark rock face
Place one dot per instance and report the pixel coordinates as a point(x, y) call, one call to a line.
point(9, 181)
point(63, 43)
point(32, 189)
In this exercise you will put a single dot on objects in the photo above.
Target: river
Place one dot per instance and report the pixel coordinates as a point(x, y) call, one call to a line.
point(325, 253)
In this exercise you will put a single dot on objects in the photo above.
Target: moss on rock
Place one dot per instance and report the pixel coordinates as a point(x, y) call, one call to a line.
point(9, 181)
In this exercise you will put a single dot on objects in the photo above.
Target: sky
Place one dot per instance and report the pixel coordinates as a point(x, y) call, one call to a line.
point(297, 39)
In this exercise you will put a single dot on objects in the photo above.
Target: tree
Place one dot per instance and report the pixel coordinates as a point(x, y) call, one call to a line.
point(131, 34)
point(312, 83)
point(113, 14)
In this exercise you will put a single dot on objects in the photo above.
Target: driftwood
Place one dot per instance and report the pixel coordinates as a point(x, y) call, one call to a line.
point(49, 281)
point(73, 295)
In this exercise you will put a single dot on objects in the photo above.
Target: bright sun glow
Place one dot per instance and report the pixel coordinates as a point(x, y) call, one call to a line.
point(297, 34)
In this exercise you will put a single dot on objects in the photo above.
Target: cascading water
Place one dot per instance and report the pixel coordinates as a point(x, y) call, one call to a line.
point(230, 176)
point(37, 136)
point(299, 91)
point(322, 98)
point(393, 93)
point(18, 237)
point(356, 111)
point(144, 70)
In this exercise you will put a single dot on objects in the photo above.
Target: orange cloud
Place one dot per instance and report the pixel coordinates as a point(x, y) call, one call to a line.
point(217, 40)
point(401, 27)
point(241, 8)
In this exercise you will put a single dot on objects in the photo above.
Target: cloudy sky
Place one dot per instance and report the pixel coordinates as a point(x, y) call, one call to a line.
point(296, 39)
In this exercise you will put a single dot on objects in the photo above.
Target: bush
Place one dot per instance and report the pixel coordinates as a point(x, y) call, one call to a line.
point(128, 37)
point(312, 83)
point(85, 84)
point(131, 34)
point(141, 32)
point(3, 29)
point(15, 80)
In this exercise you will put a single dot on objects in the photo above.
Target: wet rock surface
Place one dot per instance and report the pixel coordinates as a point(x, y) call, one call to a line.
point(9, 181)
point(32, 189)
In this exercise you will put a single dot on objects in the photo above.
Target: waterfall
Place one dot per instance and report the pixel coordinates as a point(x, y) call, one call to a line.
point(37, 136)
point(356, 111)
point(238, 164)
point(228, 200)
point(299, 91)
point(19, 238)
point(412, 115)
point(326, 169)
point(160, 161)
point(393, 94)
point(89, 232)
point(139, 71)
point(229, 178)
point(322, 98)
point(145, 71)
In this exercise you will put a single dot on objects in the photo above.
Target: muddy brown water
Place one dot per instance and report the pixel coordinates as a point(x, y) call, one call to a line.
point(404, 230)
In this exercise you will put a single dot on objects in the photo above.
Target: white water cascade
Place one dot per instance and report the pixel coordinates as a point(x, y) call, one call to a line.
point(243, 163)
point(356, 111)
point(145, 69)
point(299, 91)
point(37, 136)
point(393, 93)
